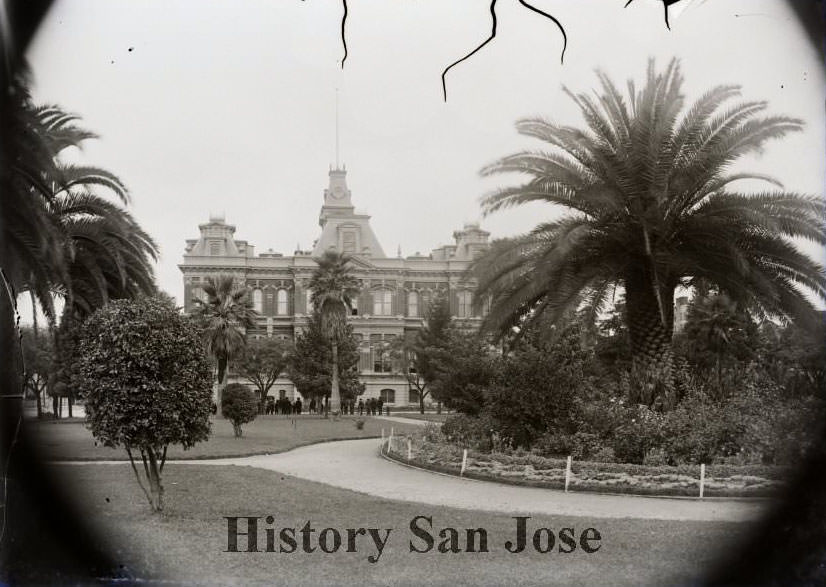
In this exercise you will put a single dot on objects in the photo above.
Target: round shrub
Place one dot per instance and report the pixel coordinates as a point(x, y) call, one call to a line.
point(146, 380)
point(238, 405)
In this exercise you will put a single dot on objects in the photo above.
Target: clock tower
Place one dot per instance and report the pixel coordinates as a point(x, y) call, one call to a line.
point(336, 197)
point(343, 229)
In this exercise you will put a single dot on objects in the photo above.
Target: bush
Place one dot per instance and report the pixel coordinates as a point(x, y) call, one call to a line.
point(580, 445)
point(359, 424)
point(470, 431)
point(636, 437)
point(147, 383)
point(239, 406)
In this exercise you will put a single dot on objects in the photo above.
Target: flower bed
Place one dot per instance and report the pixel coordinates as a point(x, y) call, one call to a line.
point(538, 471)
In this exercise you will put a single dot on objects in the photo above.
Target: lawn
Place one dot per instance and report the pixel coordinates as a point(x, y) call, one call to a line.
point(186, 543)
point(430, 417)
point(71, 440)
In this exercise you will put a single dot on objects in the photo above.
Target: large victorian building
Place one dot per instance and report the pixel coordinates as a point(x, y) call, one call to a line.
point(395, 291)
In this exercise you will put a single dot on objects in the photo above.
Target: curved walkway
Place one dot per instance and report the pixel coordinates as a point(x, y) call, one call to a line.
point(356, 465)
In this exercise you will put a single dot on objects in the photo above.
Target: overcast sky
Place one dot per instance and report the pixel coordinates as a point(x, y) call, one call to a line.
point(229, 107)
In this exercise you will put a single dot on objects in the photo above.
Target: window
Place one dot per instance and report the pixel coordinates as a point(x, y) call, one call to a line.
point(348, 242)
point(413, 396)
point(463, 310)
point(382, 358)
point(282, 394)
point(199, 293)
point(413, 304)
point(486, 306)
point(309, 301)
point(382, 302)
point(214, 248)
point(281, 302)
point(258, 301)
point(426, 301)
point(388, 396)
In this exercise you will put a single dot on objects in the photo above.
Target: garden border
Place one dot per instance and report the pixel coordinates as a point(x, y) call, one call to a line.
point(675, 493)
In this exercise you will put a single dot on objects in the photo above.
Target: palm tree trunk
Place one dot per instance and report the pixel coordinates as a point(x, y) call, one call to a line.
point(222, 373)
point(650, 329)
point(10, 405)
point(335, 395)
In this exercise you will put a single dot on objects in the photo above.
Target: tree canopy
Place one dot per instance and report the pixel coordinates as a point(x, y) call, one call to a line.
point(146, 380)
point(310, 365)
point(651, 205)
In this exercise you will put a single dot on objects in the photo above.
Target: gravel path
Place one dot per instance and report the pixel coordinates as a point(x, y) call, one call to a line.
point(356, 465)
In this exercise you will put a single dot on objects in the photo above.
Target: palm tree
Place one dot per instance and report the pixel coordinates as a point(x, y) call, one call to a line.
point(58, 236)
point(31, 252)
point(107, 254)
point(651, 205)
point(334, 287)
point(223, 316)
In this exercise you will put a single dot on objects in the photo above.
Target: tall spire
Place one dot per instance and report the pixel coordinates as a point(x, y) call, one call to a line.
point(337, 167)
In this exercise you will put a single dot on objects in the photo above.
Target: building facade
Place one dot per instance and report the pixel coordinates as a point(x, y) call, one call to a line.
point(395, 291)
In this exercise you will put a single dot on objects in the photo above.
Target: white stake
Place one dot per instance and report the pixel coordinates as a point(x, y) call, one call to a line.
point(702, 479)
point(390, 441)
point(409, 448)
point(382, 437)
point(567, 473)
point(464, 462)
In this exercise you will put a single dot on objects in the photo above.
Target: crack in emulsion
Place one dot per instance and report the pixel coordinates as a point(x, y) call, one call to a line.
point(666, 4)
point(485, 42)
point(493, 34)
point(343, 36)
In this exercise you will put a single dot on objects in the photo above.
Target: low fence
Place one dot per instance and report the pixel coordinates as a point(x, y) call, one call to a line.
point(567, 474)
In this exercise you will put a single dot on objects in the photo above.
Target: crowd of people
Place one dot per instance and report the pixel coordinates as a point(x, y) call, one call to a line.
point(373, 406)
point(283, 406)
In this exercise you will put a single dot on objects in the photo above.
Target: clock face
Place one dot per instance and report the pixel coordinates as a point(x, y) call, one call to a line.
point(338, 192)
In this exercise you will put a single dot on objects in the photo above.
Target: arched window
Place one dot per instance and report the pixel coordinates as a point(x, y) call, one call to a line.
point(258, 301)
point(388, 396)
point(413, 304)
point(486, 306)
point(426, 302)
point(281, 302)
point(382, 302)
point(463, 309)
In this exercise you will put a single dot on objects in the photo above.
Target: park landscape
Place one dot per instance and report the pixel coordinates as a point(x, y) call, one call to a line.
point(578, 356)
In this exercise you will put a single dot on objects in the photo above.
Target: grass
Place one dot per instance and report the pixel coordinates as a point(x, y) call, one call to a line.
point(60, 440)
point(185, 543)
point(430, 417)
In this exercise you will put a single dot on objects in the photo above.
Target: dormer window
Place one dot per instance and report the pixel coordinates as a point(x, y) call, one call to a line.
point(215, 248)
